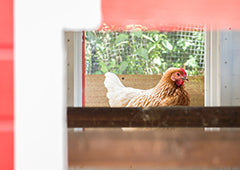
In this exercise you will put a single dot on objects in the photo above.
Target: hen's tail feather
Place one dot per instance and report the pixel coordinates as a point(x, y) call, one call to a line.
point(118, 94)
point(112, 81)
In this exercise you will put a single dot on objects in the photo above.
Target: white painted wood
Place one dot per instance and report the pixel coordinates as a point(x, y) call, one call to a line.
point(212, 69)
point(69, 45)
point(226, 67)
point(75, 72)
point(78, 15)
point(73, 41)
point(222, 75)
point(78, 79)
point(235, 81)
point(40, 70)
point(235, 99)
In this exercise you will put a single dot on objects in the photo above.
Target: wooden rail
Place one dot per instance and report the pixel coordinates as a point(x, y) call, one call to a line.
point(154, 117)
point(161, 147)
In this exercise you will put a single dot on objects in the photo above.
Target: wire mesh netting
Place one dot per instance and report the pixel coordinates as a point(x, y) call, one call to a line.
point(145, 52)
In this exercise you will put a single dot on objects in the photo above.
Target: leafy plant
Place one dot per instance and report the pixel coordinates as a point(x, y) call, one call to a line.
point(139, 52)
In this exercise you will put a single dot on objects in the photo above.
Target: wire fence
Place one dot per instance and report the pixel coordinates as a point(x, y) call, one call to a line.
point(145, 52)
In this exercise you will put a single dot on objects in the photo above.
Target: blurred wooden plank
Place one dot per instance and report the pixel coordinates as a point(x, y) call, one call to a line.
point(154, 148)
point(154, 117)
point(95, 91)
point(168, 14)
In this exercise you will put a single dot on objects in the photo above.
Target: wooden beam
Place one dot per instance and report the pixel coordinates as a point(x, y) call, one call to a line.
point(154, 117)
point(154, 148)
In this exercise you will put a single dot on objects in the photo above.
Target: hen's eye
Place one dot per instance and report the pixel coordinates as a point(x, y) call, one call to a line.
point(178, 74)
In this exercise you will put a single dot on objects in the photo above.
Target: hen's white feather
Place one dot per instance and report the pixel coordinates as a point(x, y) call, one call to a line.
point(118, 94)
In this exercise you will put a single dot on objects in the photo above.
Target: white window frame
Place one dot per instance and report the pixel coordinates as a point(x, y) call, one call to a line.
point(74, 50)
point(218, 62)
point(212, 69)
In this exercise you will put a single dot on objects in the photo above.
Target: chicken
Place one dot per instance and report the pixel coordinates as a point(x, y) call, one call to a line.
point(169, 91)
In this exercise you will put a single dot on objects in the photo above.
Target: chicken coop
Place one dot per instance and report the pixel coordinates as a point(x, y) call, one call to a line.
point(139, 57)
point(60, 61)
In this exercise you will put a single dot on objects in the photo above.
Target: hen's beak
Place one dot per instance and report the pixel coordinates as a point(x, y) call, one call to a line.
point(185, 78)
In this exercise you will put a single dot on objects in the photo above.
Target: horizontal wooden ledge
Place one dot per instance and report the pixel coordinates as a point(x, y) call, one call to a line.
point(153, 117)
point(169, 147)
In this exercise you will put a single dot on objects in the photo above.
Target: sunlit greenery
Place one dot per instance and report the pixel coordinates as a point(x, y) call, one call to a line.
point(139, 52)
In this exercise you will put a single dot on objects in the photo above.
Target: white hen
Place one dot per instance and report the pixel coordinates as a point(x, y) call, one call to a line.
point(118, 94)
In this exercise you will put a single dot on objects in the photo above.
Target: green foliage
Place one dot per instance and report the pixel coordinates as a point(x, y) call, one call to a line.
point(142, 52)
point(121, 38)
point(167, 45)
point(139, 52)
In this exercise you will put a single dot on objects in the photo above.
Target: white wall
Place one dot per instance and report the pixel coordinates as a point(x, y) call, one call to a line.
point(235, 68)
point(230, 64)
point(222, 63)
point(40, 78)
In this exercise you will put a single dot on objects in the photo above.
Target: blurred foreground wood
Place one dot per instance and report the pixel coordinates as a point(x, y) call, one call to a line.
point(154, 117)
point(154, 148)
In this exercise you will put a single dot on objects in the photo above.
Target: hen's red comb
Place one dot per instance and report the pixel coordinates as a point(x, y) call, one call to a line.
point(184, 72)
